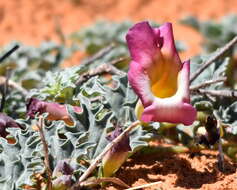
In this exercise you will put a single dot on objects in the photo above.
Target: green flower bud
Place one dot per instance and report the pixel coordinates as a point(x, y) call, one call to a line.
point(113, 160)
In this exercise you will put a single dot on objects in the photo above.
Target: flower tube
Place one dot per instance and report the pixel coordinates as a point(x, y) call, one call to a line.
point(55, 111)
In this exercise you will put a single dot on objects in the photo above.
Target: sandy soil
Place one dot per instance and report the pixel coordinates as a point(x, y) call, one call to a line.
point(178, 172)
point(32, 21)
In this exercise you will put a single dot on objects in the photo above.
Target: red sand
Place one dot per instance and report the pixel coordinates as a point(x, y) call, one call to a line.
point(178, 172)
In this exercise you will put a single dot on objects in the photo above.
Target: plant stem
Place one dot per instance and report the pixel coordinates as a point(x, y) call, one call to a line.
point(5, 90)
point(96, 181)
point(103, 68)
point(176, 149)
point(118, 60)
point(218, 54)
point(59, 31)
point(99, 54)
point(13, 84)
point(8, 53)
point(98, 159)
point(220, 156)
point(218, 93)
point(207, 83)
point(46, 152)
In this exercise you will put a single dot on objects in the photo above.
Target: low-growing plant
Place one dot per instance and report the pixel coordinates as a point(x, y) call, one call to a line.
point(82, 123)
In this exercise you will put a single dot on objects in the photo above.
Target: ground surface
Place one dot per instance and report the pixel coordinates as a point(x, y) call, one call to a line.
point(178, 172)
point(32, 21)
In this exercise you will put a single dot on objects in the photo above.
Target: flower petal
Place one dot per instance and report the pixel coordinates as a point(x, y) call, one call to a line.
point(142, 43)
point(168, 47)
point(169, 110)
point(34, 106)
point(175, 109)
point(164, 72)
point(140, 83)
point(183, 82)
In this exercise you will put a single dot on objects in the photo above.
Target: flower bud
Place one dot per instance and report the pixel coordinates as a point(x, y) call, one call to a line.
point(55, 111)
point(62, 175)
point(115, 157)
point(7, 122)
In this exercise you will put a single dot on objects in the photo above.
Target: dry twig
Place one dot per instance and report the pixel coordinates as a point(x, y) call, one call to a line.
point(96, 181)
point(99, 54)
point(58, 30)
point(46, 152)
point(8, 53)
point(6, 81)
point(218, 93)
point(98, 159)
point(220, 156)
point(118, 60)
point(101, 69)
point(217, 55)
point(13, 84)
point(5, 90)
point(207, 83)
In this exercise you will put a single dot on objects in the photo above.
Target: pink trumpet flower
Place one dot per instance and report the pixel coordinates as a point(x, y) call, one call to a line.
point(158, 76)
